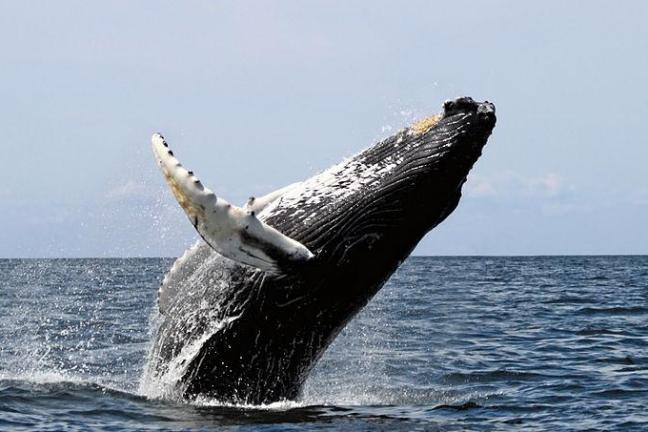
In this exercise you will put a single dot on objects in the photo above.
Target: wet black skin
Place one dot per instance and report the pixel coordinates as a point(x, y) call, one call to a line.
point(287, 320)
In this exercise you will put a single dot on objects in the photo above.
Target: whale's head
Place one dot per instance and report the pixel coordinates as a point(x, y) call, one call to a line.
point(364, 216)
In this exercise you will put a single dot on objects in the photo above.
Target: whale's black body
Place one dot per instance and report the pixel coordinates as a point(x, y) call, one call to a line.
point(242, 335)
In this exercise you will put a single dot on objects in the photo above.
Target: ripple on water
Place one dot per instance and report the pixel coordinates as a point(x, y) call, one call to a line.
point(449, 344)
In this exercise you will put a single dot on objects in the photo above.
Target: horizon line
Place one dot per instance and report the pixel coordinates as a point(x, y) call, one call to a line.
point(411, 256)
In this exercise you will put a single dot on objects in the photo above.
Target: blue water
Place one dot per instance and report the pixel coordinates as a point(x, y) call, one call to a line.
point(549, 343)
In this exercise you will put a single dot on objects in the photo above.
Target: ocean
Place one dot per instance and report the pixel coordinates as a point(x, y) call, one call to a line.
point(450, 343)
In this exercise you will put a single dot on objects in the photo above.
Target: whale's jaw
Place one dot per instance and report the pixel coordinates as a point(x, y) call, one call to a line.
point(246, 336)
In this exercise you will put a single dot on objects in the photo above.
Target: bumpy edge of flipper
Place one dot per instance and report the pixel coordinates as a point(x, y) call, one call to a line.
point(230, 230)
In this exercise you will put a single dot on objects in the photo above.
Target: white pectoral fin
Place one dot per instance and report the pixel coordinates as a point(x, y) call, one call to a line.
point(231, 231)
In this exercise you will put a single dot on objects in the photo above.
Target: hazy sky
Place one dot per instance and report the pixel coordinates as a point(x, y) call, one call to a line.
point(253, 96)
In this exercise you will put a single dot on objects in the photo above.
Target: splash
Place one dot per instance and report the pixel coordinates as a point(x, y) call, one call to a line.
point(166, 385)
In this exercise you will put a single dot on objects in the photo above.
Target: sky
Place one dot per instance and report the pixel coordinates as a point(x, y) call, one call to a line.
point(255, 95)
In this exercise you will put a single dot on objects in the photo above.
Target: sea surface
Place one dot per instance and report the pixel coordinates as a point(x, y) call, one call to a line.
point(480, 343)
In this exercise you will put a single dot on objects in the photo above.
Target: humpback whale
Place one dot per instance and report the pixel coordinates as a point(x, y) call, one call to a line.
point(246, 312)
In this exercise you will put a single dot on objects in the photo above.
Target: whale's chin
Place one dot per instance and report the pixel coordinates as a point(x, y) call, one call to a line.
point(247, 312)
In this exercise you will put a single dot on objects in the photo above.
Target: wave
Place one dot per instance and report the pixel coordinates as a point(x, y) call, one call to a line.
point(55, 381)
point(491, 376)
point(65, 386)
point(613, 310)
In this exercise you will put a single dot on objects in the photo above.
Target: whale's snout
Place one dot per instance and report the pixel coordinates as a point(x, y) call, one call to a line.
point(467, 105)
point(473, 121)
point(484, 112)
point(486, 109)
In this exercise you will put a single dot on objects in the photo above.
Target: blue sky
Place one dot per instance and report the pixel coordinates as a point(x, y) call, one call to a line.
point(253, 96)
